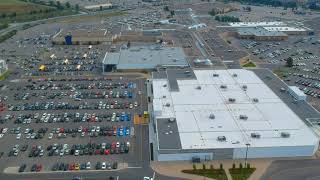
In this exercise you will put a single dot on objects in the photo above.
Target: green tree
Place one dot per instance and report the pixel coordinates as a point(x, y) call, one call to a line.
point(100, 8)
point(77, 7)
point(194, 167)
point(3, 15)
point(212, 12)
point(289, 62)
point(221, 166)
point(68, 5)
point(203, 166)
point(248, 166)
point(233, 166)
point(240, 166)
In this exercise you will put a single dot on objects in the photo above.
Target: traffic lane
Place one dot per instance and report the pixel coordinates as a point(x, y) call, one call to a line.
point(293, 170)
point(126, 174)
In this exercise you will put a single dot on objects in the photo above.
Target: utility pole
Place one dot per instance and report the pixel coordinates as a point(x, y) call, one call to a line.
point(245, 161)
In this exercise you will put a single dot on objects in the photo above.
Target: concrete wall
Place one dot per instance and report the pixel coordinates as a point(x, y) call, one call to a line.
point(268, 152)
point(184, 156)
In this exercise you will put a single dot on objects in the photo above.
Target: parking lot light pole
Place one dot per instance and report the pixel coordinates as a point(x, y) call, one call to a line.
point(245, 161)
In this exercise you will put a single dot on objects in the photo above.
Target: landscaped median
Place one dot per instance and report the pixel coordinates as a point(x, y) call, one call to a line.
point(218, 174)
point(241, 173)
point(237, 173)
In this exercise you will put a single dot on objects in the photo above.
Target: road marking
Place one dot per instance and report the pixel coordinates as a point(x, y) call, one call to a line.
point(117, 177)
point(154, 174)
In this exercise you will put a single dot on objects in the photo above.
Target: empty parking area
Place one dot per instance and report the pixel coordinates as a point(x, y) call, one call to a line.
point(64, 123)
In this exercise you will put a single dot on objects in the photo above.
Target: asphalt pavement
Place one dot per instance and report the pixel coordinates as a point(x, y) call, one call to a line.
point(293, 170)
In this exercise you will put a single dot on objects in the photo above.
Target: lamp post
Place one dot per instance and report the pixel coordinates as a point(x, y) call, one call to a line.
point(245, 161)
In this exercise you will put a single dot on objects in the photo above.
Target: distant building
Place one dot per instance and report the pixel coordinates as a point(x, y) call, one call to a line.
point(3, 66)
point(269, 30)
point(144, 58)
point(97, 7)
point(198, 26)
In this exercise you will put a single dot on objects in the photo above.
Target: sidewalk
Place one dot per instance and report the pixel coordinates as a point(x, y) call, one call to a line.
point(174, 168)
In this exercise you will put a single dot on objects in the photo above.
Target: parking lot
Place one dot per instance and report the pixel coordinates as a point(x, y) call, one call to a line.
point(56, 124)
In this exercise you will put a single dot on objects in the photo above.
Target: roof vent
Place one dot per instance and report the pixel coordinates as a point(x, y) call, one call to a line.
point(221, 138)
point(235, 75)
point(255, 100)
point(164, 85)
point(285, 134)
point(164, 96)
point(215, 75)
point(198, 87)
point(223, 86)
point(243, 117)
point(171, 120)
point(232, 100)
point(255, 135)
point(168, 104)
point(244, 87)
point(212, 116)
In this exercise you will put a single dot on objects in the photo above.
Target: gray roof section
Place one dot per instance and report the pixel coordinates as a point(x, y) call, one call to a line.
point(259, 31)
point(168, 134)
point(147, 58)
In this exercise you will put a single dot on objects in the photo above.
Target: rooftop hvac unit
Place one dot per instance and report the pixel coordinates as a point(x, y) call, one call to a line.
point(168, 104)
point(172, 120)
point(198, 87)
point(164, 96)
point(223, 86)
point(164, 85)
point(255, 100)
point(255, 135)
point(285, 134)
point(244, 87)
point(221, 138)
point(243, 117)
point(232, 100)
point(215, 75)
point(212, 116)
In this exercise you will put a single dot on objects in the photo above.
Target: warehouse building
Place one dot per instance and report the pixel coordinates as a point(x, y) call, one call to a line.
point(264, 31)
point(225, 114)
point(261, 34)
point(144, 58)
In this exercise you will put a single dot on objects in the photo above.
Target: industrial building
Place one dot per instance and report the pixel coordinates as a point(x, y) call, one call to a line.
point(98, 7)
point(3, 66)
point(262, 31)
point(144, 58)
point(225, 114)
point(261, 34)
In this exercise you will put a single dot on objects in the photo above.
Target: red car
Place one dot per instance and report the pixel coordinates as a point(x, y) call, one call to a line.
point(39, 167)
point(107, 152)
point(113, 145)
point(71, 167)
point(61, 130)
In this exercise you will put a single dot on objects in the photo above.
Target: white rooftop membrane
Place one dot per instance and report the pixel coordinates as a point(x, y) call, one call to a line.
point(192, 107)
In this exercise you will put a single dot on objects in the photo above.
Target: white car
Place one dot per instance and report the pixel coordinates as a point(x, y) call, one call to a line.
point(50, 136)
point(128, 143)
point(1, 135)
point(88, 166)
point(76, 153)
point(118, 145)
point(4, 130)
point(18, 136)
point(104, 165)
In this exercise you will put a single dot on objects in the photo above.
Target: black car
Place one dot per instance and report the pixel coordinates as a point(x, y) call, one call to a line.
point(33, 168)
point(22, 167)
